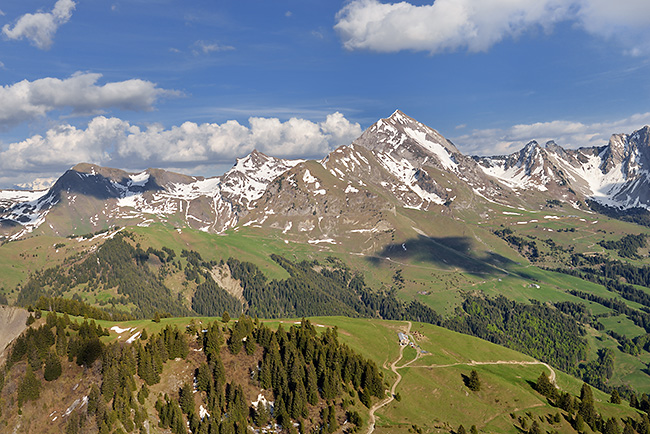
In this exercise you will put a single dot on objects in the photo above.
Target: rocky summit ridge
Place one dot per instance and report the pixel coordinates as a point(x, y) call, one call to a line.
point(397, 162)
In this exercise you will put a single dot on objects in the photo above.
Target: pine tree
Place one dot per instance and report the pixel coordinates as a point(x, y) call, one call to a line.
point(615, 398)
point(586, 408)
point(534, 428)
point(61, 341)
point(29, 388)
point(474, 382)
point(186, 399)
point(611, 427)
point(545, 387)
point(53, 368)
point(461, 430)
point(579, 423)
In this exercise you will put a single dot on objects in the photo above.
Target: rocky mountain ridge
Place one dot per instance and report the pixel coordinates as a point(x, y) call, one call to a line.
point(398, 162)
point(615, 175)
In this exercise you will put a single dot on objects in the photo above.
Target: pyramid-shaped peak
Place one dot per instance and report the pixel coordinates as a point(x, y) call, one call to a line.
point(252, 160)
point(400, 117)
point(257, 154)
point(404, 136)
point(531, 145)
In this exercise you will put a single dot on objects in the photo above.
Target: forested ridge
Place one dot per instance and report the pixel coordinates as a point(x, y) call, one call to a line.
point(116, 264)
point(307, 378)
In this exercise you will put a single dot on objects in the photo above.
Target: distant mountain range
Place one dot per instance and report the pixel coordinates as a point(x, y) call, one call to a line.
point(396, 163)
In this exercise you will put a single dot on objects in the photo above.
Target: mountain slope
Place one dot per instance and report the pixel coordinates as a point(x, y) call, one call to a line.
point(615, 175)
point(398, 163)
point(89, 197)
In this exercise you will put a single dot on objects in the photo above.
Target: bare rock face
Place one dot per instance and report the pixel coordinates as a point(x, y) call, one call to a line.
point(12, 323)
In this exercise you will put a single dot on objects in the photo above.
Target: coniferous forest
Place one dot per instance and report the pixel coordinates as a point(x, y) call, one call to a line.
point(292, 378)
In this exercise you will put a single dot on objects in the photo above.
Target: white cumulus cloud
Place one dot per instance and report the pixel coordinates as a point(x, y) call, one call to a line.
point(118, 143)
point(476, 25)
point(39, 28)
point(568, 134)
point(80, 93)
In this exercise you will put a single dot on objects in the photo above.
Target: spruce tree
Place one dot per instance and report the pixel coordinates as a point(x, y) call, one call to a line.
point(94, 397)
point(644, 426)
point(534, 428)
point(332, 423)
point(53, 368)
point(615, 398)
point(611, 427)
point(61, 341)
point(262, 415)
point(586, 408)
point(143, 394)
point(579, 423)
point(311, 385)
point(29, 388)
point(186, 399)
point(474, 382)
point(545, 387)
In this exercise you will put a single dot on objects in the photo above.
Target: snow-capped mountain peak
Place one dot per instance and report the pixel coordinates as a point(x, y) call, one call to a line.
point(396, 162)
point(249, 177)
point(401, 135)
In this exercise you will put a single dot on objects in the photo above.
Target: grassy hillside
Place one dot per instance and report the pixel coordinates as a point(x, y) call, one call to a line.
point(436, 259)
point(432, 395)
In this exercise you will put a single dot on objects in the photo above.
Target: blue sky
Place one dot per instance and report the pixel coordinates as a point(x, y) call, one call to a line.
point(190, 86)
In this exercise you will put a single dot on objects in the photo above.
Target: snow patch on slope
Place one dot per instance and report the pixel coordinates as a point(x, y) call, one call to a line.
point(405, 172)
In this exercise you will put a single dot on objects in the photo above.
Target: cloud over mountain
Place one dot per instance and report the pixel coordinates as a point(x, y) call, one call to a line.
point(80, 93)
point(116, 142)
point(570, 134)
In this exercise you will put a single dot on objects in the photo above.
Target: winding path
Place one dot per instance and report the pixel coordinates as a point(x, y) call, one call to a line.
point(394, 368)
point(389, 399)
